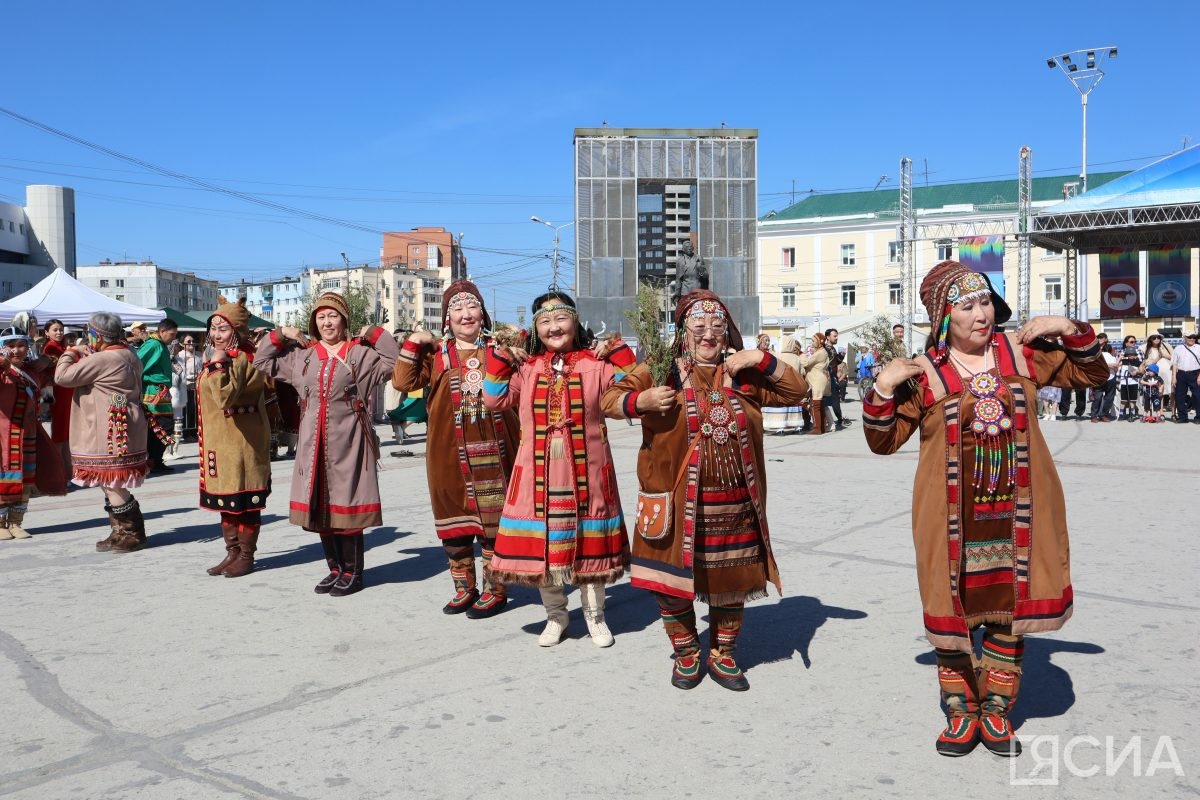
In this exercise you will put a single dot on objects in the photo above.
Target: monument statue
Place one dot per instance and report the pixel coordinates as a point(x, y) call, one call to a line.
point(691, 273)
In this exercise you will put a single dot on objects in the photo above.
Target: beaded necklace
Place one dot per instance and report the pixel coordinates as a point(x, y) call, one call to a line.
point(718, 427)
point(992, 426)
point(467, 397)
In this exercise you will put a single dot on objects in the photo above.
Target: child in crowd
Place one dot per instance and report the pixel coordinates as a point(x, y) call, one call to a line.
point(1152, 386)
point(1048, 399)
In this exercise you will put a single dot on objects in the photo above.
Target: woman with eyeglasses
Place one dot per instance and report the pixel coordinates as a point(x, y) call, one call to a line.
point(701, 528)
point(1158, 352)
point(561, 522)
point(234, 436)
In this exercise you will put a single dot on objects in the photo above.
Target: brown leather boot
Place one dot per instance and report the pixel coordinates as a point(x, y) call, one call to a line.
point(104, 545)
point(131, 534)
point(351, 580)
point(230, 534)
point(247, 544)
point(818, 415)
point(462, 572)
point(333, 559)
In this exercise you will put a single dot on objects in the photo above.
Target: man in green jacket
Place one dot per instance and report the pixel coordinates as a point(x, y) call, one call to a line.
point(157, 373)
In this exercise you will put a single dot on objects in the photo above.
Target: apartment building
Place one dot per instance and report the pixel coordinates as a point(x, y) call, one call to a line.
point(145, 284)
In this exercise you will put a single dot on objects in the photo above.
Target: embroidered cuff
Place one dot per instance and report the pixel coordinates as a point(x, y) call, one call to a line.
point(498, 367)
point(1080, 341)
point(372, 335)
point(629, 405)
point(279, 340)
point(622, 357)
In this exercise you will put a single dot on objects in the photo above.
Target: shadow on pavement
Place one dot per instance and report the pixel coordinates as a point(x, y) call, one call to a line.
point(1046, 688)
point(780, 630)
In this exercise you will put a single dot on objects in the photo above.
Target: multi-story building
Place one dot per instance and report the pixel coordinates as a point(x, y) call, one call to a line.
point(639, 193)
point(834, 260)
point(277, 300)
point(145, 284)
point(425, 248)
point(36, 238)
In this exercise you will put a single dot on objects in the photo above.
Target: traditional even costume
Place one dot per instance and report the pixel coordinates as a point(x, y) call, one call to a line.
point(158, 373)
point(335, 484)
point(989, 521)
point(234, 436)
point(701, 528)
point(469, 454)
point(562, 520)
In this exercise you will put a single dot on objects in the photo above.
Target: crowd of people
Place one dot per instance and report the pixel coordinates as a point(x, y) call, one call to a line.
point(521, 480)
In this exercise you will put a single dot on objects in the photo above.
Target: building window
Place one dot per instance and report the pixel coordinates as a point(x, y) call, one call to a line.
point(788, 258)
point(788, 296)
point(103, 283)
point(895, 252)
point(895, 293)
point(121, 297)
point(120, 283)
point(849, 295)
point(847, 255)
point(1052, 288)
point(945, 250)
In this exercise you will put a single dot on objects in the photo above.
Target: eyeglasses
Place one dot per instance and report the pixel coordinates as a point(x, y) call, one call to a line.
point(718, 327)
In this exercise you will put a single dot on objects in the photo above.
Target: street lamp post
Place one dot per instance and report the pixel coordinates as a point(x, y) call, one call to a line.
point(554, 261)
point(1084, 69)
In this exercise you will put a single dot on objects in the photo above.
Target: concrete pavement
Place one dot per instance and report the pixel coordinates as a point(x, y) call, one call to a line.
point(139, 676)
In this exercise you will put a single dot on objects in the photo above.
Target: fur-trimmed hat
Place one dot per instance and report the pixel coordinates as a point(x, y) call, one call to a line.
point(684, 306)
point(331, 300)
point(457, 288)
point(237, 315)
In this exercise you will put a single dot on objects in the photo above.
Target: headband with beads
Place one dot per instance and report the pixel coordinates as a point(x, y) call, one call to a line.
point(550, 307)
point(971, 286)
point(703, 308)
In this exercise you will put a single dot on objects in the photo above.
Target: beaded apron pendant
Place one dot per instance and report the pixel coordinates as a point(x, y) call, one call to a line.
point(995, 449)
point(472, 389)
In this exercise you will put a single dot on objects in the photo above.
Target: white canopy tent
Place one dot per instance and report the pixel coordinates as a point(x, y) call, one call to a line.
point(59, 296)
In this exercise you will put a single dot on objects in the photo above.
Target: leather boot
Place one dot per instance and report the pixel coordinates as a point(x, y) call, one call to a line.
point(725, 623)
point(818, 415)
point(351, 579)
point(104, 545)
point(591, 595)
point(230, 535)
point(960, 694)
point(679, 621)
point(999, 684)
point(16, 516)
point(247, 543)
point(494, 597)
point(131, 534)
point(554, 598)
point(333, 558)
point(462, 572)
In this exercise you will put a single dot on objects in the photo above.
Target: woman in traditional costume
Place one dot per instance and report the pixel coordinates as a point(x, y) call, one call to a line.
point(701, 528)
point(989, 522)
point(108, 425)
point(469, 449)
point(335, 484)
point(816, 374)
point(235, 437)
point(562, 519)
point(60, 410)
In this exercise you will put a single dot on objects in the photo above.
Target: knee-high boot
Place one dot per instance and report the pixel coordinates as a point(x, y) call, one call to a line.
point(554, 598)
point(131, 527)
point(999, 682)
point(351, 580)
point(229, 533)
point(247, 534)
point(104, 545)
point(591, 595)
point(494, 597)
point(462, 572)
point(4, 512)
point(960, 694)
point(679, 621)
point(725, 623)
point(333, 558)
point(818, 417)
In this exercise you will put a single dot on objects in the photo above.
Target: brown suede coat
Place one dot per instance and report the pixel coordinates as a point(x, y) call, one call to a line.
point(235, 436)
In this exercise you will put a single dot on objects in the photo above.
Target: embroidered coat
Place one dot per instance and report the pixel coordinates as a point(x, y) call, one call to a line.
point(335, 484)
point(235, 435)
point(659, 565)
point(1032, 559)
point(468, 461)
point(28, 459)
point(60, 412)
point(524, 541)
point(158, 372)
point(108, 424)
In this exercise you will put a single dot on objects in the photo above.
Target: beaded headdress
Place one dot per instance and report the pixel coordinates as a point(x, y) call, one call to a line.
point(460, 292)
point(551, 306)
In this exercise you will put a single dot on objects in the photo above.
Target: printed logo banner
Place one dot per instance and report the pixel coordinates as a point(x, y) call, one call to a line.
point(1119, 283)
point(984, 254)
point(1170, 281)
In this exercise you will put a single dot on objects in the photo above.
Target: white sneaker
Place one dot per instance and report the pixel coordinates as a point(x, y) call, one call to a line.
point(554, 632)
point(601, 635)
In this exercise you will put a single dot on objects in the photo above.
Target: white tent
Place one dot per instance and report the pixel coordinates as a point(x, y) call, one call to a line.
point(59, 296)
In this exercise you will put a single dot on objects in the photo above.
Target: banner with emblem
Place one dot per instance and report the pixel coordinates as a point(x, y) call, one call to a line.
point(1169, 276)
point(1120, 283)
point(984, 254)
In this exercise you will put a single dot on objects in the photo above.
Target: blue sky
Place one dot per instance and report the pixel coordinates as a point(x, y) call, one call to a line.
point(394, 115)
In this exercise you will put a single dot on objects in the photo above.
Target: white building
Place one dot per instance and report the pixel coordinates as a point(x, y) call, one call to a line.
point(145, 284)
point(278, 300)
point(36, 238)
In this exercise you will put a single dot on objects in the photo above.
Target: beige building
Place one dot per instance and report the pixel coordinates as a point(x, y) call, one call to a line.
point(145, 284)
point(834, 260)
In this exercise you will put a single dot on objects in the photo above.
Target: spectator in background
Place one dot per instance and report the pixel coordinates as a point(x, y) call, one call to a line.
point(60, 412)
point(764, 342)
point(157, 374)
point(1185, 364)
point(1159, 352)
point(1102, 396)
point(1152, 386)
point(1128, 373)
point(837, 378)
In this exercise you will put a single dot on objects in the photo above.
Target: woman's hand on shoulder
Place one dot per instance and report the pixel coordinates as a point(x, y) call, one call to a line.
point(736, 362)
point(897, 371)
point(293, 333)
point(421, 338)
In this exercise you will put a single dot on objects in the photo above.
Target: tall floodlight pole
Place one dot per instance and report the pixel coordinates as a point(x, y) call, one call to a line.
point(1084, 69)
point(908, 245)
point(554, 260)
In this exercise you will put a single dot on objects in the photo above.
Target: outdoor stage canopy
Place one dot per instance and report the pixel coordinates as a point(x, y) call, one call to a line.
point(59, 296)
point(1158, 204)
